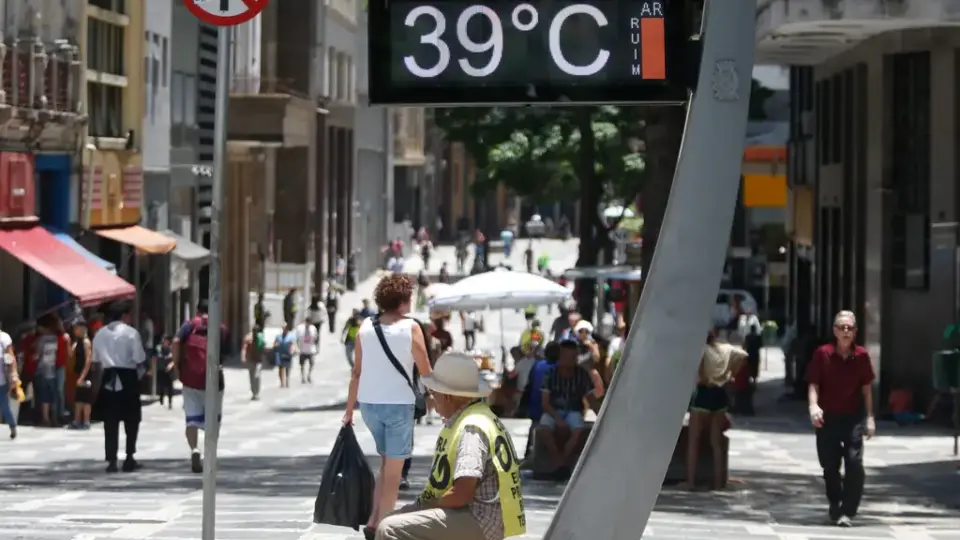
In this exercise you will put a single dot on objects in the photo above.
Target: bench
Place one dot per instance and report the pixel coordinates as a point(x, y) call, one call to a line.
point(677, 470)
point(541, 464)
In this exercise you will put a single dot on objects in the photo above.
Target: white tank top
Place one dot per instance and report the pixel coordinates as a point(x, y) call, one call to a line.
point(379, 380)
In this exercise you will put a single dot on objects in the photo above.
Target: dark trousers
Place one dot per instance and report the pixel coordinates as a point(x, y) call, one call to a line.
point(531, 437)
point(332, 321)
point(120, 407)
point(164, 383)
point(840, 439)
point(469, 339)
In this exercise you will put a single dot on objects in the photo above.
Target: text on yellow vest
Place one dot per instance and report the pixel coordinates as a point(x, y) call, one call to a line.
point(505, 462)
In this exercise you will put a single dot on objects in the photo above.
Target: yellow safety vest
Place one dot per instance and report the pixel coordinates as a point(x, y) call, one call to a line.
point(504, 458)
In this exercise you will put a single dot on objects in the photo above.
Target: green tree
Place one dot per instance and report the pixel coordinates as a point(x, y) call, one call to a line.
point(546, 151)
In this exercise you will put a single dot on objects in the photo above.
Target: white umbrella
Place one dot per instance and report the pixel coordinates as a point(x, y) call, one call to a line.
point(500, 289)
point(436, 288)
point(614, 212)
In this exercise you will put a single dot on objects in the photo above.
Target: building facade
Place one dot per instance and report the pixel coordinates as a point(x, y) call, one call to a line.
point(873, 172)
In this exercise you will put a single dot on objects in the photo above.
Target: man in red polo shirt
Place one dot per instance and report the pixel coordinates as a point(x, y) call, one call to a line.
point(840, 396)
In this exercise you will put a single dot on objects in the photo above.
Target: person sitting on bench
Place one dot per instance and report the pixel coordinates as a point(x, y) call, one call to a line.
point(563, 390)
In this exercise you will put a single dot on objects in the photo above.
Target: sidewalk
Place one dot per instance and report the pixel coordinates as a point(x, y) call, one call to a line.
point(911, 476)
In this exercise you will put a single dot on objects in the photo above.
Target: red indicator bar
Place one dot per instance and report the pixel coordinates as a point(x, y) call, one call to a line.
point(652, 46)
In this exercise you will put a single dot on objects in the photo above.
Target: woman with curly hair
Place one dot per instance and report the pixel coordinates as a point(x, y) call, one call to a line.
point(388, 348)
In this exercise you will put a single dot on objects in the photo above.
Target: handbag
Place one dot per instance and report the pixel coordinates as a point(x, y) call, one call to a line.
point(419, 402)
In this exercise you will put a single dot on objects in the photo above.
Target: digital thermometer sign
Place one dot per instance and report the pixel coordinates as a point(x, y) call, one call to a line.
point(496, 51)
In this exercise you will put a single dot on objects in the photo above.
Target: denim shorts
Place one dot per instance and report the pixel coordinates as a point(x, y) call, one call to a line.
point(391, 426)
point(574, 420)
point(45, 390)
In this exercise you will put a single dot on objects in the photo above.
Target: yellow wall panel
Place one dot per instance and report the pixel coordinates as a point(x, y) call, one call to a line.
point(765, 190)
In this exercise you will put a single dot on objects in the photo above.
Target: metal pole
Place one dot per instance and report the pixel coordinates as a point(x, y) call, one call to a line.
point(644, 407)
point(212, 405)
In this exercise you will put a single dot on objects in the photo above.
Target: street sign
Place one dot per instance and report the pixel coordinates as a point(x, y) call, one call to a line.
point(501, 51)
point(225, 12)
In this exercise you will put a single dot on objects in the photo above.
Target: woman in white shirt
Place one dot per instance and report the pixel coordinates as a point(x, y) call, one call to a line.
point(384, 393)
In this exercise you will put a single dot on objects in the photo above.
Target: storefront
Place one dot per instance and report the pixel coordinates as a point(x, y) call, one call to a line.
point(115, 195)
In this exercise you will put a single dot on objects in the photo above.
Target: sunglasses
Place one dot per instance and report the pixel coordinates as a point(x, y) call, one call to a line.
point(845, 327)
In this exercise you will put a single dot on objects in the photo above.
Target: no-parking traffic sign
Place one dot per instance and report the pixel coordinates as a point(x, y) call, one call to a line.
point(225, 12)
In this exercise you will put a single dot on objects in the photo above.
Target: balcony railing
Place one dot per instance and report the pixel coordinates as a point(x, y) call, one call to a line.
point(408, 135)
point(35, 75)
point(260, 85)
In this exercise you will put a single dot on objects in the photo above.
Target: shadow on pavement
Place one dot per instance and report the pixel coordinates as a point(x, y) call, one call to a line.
point(335, 406)
point(794, 499)
point(761, 497)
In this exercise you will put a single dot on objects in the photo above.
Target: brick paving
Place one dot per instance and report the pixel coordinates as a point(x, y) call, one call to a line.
point(272, 452)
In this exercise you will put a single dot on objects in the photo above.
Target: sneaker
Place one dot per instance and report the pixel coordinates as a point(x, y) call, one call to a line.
point(196, 463)
point(844, 521)
point(13, 433)
point(130, 465)
point(404, 484)
point(112, 467)
point(85, 426)
point(74, 425)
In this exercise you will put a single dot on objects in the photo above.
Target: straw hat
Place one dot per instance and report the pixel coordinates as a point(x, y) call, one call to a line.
point(456, 374)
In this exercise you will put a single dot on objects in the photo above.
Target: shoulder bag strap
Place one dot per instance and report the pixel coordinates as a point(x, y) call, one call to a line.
point(393, 359)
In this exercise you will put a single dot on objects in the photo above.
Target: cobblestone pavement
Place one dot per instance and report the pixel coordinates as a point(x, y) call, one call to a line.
point(52, 485)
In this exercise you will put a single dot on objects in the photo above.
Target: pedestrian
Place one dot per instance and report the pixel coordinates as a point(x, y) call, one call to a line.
point(474, 490)
point(88, 378)
point(332, 304)
point(251, 355)
point(316, 312)
point(51, 354)
point(308, 343)
point(840, 397)
point(118, 349)
point(291, 305)
point(163, 363)
point(471, 324)
point(190, 359)
point(8, 382)
point(366, 310)
point(283, 350)
point(389, 346)
point(349, 335)
point(708, 409)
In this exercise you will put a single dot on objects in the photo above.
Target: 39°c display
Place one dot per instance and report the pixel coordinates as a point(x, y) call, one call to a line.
point(493, 51)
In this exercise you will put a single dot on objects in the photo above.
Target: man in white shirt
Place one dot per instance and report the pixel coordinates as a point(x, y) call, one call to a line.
point(308, 344)
point(118, 348)
point(8, 382)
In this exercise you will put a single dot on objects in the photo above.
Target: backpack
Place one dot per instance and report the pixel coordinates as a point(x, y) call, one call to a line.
point(193, 368)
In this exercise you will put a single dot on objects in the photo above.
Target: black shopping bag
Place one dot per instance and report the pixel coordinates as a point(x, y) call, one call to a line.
point(345, 498)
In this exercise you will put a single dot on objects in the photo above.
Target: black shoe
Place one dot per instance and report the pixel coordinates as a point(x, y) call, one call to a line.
point(13, 433)
point(130, 465)
point(196, 464)
point(369, 533)
point(404, 484)
point(834, 513)
point(112, 466)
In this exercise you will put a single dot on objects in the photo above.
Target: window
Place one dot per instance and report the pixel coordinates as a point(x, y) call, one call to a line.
point(908, 84)
point(105, 110)
point(105, 47)
point(116, 6)
point(332, 72)
point(351, 81)
point(190, 100)
point(824, 121)
point(176, 99)
point(164, 61)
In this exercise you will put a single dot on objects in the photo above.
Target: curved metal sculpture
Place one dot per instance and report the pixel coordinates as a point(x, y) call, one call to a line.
point(612, 493)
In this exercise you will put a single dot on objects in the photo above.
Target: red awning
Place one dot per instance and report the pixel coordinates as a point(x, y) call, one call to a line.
point(40, 250)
